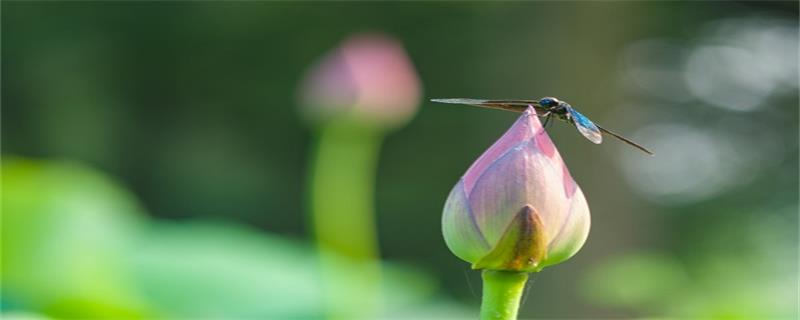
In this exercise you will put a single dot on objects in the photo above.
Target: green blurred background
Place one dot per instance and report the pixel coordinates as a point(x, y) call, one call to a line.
point(155, 161)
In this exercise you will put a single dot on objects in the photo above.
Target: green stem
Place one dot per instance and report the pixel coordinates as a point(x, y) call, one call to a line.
point(342, 190)
point(342, 185)
point(502, 291)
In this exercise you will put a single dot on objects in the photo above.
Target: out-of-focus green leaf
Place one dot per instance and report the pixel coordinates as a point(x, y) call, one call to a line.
point(743, 269)
point(213, 270)
point(208, 269)
point(65, 228)
point(23, 316)
point(76, 245)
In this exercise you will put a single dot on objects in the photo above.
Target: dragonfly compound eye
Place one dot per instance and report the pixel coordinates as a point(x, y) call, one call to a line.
point(548, 102)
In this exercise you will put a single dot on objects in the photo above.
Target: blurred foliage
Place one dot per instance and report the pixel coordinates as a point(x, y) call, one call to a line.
point(76, 244)
point(717, 277)
point(65, 231)
point(191, 106)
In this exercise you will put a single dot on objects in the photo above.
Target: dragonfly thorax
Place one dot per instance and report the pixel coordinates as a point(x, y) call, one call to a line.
point(555, 107)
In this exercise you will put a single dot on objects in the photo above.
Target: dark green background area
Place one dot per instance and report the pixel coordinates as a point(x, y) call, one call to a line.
point(193, 106)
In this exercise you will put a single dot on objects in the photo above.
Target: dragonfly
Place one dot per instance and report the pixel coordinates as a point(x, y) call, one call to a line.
point(549, 107)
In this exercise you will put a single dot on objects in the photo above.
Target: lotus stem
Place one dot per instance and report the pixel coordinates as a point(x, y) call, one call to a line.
point(342, 183)
point(502, 292)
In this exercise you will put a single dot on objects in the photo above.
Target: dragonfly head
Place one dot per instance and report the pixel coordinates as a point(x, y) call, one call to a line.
point(549, 102)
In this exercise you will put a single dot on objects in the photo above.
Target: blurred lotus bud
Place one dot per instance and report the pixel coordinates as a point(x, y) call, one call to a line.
point(368, 77)
point(517, 207)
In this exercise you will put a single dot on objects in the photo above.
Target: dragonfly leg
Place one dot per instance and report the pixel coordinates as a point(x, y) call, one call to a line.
point(547, 119)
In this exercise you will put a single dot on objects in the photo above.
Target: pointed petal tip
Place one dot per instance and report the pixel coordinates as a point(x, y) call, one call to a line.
point(530, 111)
point(532, 118)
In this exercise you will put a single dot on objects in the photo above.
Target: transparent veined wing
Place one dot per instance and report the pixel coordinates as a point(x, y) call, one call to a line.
point(585, 126)
point(626, 140)
point(508, 105)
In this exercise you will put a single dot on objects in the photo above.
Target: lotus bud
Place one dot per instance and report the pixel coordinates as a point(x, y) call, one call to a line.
point(517, 208)
point(368, 77)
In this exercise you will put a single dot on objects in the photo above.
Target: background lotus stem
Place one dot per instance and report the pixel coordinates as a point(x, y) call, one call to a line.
point(342, 184)
point(502, 291)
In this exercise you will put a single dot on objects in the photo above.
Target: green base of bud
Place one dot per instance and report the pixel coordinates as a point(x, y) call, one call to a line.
point(522, 248)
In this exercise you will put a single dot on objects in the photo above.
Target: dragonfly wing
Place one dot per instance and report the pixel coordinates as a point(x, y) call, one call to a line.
point(508, 105)
point(585, 126)
point(626, 140)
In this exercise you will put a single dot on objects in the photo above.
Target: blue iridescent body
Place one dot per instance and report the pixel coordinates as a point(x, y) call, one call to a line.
point(549, 107)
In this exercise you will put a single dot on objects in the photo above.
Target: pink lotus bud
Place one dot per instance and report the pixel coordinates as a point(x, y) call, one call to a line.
point(368, 77)
point(517, 207)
